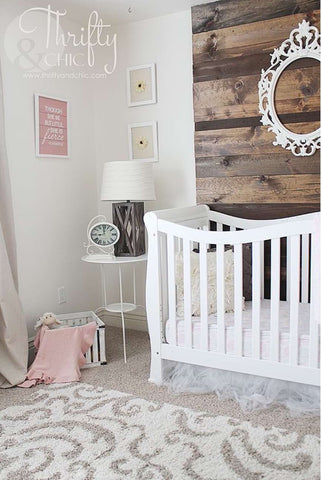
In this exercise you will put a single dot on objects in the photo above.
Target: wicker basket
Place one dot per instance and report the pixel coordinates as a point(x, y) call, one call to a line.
point(96, 355)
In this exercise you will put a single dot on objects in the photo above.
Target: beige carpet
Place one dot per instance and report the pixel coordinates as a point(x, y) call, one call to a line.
point(132, 378)
point(80, 432)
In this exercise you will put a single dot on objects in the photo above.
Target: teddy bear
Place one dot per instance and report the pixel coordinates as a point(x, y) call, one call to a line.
point(48, 319)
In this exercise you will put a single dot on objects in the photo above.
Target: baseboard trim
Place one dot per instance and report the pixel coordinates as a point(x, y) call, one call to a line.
point(132, 321)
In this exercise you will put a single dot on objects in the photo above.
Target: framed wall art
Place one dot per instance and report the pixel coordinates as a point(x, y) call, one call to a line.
point(141, 85)
point(143, 141)
point(52, 127)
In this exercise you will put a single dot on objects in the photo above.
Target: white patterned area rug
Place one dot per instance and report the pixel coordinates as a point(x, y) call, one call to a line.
point(76, 431)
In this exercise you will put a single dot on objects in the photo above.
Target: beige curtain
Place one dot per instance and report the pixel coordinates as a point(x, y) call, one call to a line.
point(13, 330)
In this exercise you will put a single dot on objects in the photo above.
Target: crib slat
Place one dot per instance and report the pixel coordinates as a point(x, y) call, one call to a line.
point(163, 265)
point(203, 296)
point(220, 298)
point(275, 299)
point(314, 334)
point(262, 269)
point(187, 293)
point(288, 269)
point(238, 293)
point(305, 269)
point(256, 298)
point(178, 244)
point(294, 297)
point(171, 284)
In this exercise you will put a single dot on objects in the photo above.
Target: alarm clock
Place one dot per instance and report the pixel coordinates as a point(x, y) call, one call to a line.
point(102, 236)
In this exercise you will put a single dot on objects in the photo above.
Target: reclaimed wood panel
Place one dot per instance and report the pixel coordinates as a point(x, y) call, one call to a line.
point(265, 211)
point(272, 189)
point(305, 85)
point(249, 36)
point(237, 97)
point(231, 13)
point(242, 141)
point(253, 165)
point(295, 119)
point(236, 161)
point(231, 67)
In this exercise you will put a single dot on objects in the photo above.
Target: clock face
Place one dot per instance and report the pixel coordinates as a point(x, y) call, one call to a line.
point(104, 234)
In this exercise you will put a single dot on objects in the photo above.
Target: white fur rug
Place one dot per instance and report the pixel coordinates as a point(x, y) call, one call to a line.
point(78, 432)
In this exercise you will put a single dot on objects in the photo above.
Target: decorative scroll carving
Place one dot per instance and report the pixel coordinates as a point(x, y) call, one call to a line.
point(304, 41)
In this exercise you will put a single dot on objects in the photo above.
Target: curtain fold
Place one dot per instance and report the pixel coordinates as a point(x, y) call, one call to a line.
point(13, 330)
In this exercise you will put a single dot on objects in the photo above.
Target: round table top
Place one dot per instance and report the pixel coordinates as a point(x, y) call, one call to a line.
point(101, 258)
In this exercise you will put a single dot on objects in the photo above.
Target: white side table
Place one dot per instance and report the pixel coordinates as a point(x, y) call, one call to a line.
point(121, 307)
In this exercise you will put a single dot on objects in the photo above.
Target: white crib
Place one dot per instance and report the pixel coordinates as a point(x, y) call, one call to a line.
point(183, 230)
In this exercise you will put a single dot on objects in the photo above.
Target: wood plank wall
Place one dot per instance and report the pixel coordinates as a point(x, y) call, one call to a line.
point(238, 169)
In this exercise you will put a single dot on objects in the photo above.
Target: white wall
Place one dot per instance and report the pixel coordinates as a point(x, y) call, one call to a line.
point(53, 198)
point(166, 41)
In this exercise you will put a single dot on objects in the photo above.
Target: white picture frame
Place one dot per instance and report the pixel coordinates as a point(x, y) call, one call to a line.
point(65, 149)
point(143, 142)
point(141, 85)
point(303, 42)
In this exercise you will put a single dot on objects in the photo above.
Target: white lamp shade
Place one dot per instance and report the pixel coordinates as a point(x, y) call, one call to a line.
point(128, 180)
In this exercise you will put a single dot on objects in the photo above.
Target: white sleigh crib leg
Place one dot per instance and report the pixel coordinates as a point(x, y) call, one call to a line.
point(156, 372)
point(153, 304)
point(153, 315)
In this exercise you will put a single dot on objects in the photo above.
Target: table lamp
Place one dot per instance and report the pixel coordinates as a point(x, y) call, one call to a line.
point(129, 183)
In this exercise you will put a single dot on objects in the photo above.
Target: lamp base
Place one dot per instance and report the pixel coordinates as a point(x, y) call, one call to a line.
point(129, 218)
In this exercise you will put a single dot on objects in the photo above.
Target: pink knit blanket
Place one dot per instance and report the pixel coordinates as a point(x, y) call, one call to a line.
point(60, 354)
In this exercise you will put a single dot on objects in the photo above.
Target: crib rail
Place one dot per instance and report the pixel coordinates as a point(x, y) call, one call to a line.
point(191, 231)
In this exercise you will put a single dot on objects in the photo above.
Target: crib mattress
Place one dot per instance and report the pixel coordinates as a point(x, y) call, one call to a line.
point(284, 321)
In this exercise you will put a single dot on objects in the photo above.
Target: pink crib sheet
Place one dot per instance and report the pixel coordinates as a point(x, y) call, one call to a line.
point(304, 314)
point(60, 354)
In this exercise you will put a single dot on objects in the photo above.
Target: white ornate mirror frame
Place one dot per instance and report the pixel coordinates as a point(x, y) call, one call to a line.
point(304, 42)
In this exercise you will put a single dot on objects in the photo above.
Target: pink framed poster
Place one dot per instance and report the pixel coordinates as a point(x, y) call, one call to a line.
point(52, 127)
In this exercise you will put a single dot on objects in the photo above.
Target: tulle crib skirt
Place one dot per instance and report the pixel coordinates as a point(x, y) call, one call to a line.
point(250, 391)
